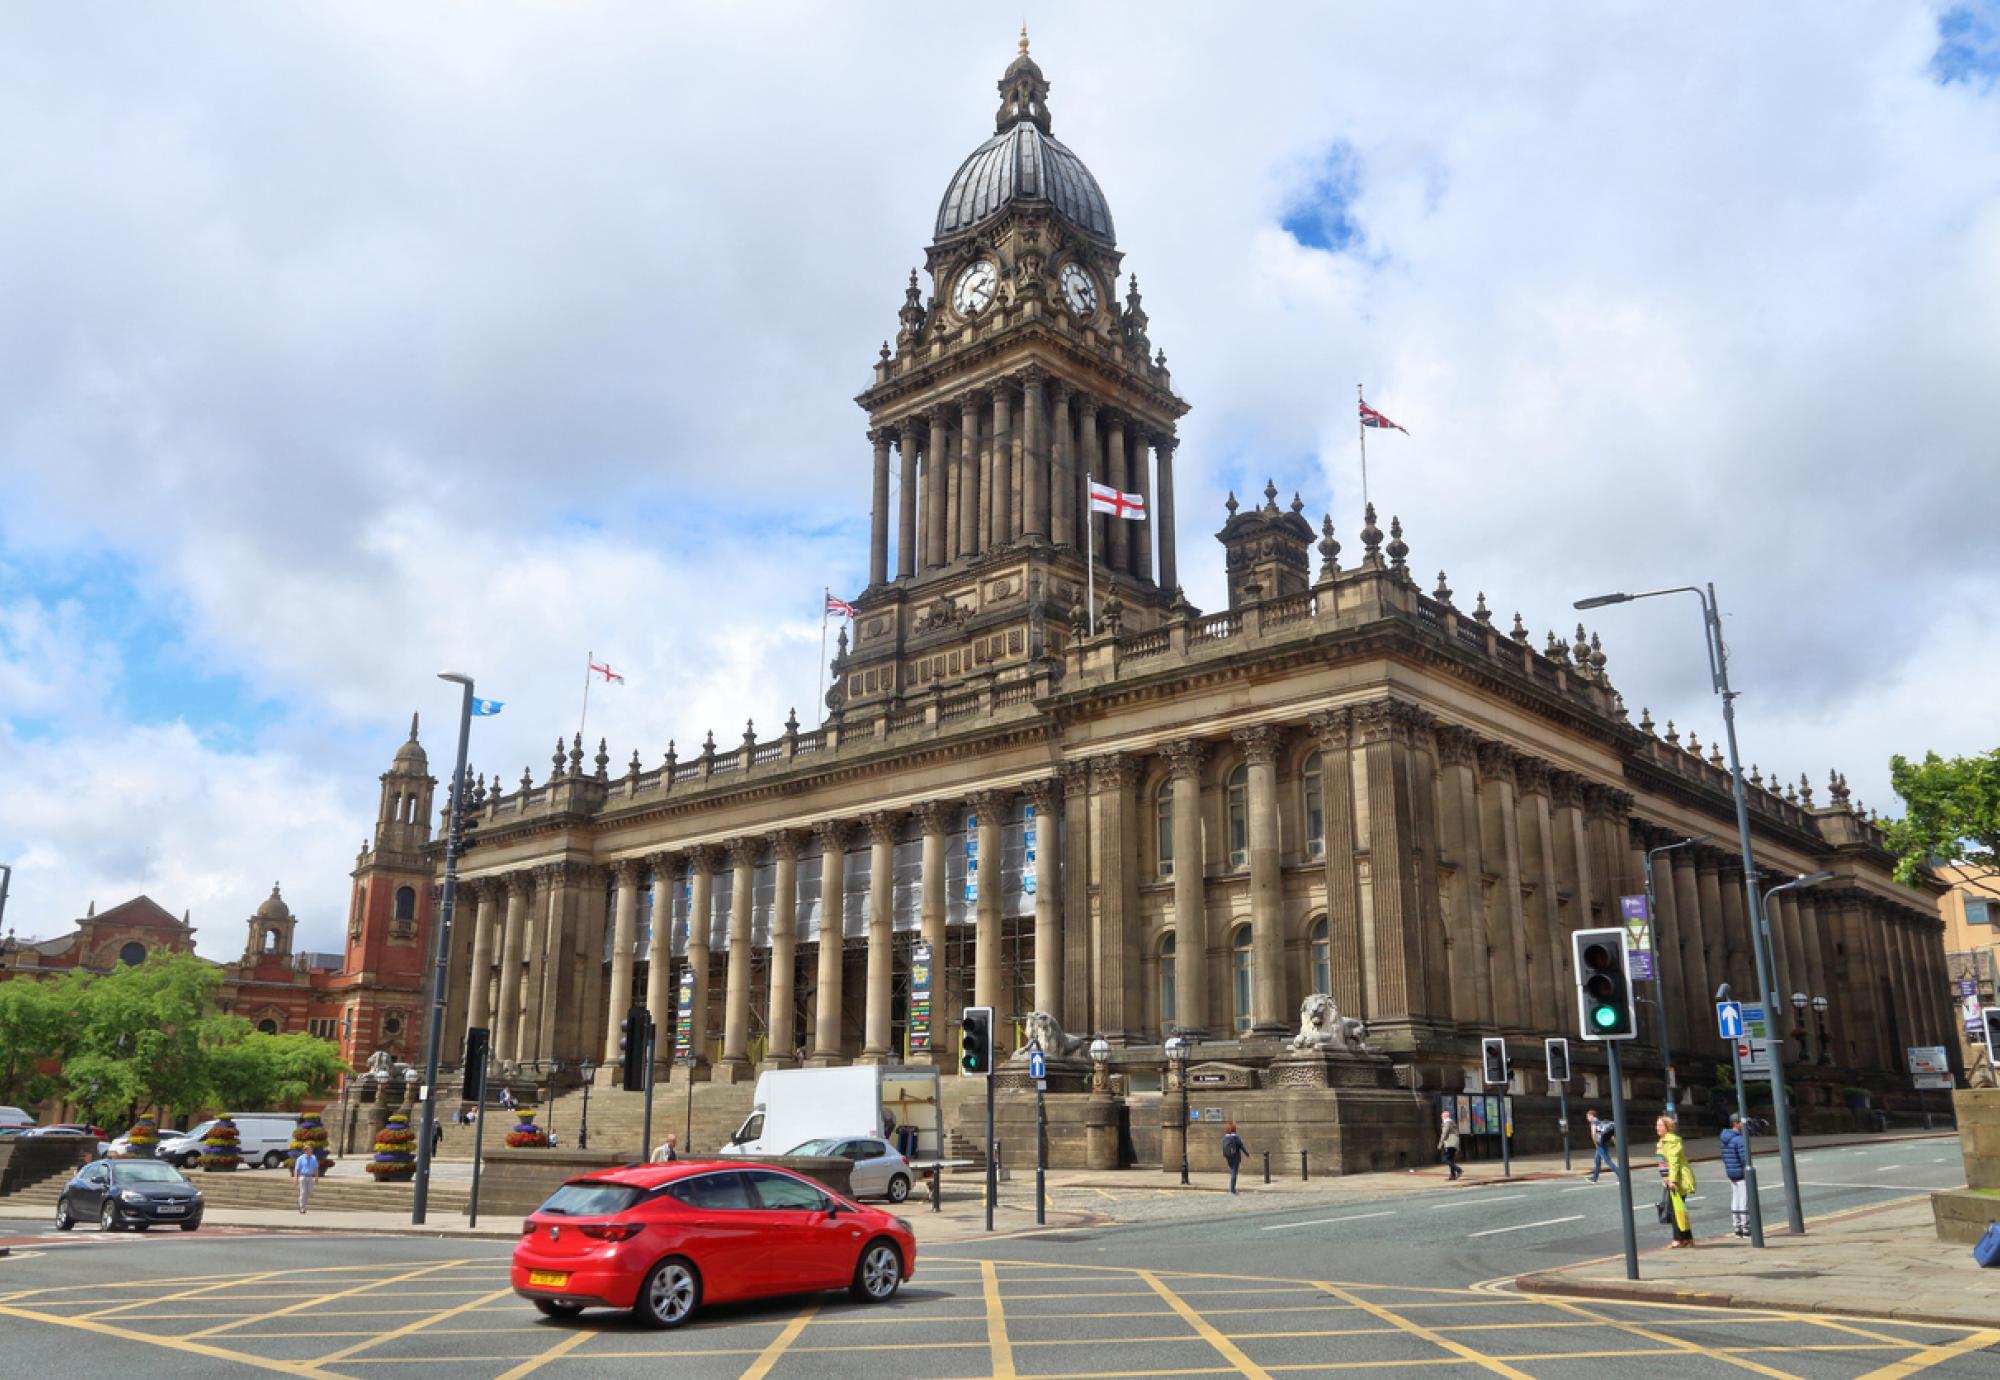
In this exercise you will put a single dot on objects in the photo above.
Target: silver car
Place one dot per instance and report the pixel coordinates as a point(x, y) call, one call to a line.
point(880, 1171)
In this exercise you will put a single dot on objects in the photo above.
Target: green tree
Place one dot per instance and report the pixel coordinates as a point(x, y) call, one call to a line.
point(147, 1029)
point(258, 1072)
point(1951, 814)
point(31, 1033)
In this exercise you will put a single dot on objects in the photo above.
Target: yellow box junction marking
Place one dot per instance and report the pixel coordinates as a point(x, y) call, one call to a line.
point(997, 1344)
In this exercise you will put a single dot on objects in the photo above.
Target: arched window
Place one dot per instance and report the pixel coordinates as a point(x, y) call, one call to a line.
point(1169, 998)
point(133, 954)
point(270, 941)
point(1239, 977)
point(1315, 803)
point(1237, 797)
point(1320, 956)
point(1163, 827)
point(406, 903)
point(267, 1026)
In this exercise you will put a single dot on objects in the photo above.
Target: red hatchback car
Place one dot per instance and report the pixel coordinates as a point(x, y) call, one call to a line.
point(663, 1239)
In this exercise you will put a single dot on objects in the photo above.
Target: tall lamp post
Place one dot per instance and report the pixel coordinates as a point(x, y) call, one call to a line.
point(440, 951)
point(583, 1132)
point(1799, 1004)
point(1659, 967)
point(1718, 671)
point(1177, 1055)
point(1819, 1005)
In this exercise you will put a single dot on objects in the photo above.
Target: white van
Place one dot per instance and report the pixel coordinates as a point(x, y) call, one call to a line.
point(263, 1138)
point(898, 1103)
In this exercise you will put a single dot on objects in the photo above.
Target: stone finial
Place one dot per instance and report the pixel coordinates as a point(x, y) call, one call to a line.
point(792, 722)
point(1646, 720)
point(708, 744)
point(1298, 504)
point(479, 795)
point(1480, 613)
point(1270, 495)
point(749, 733)
point(1581, 651)
point(556, 762)
point(1443, 591)
point(1836, 789)
point(673, 758)
point(1756, 777)
point(1398, 548)
point(576, 755)
point(1791, 793)
point(1520, 630)
point(1805, 788)
point(1715, 754)
point(633, 768)
point(1555, 649)
point(841, 644)
point(1229, 504)
point(885, 352)
point(1111, 616)
point(1673, 734)
point(602, 761)
point(1694, 742)
point(527, 781)
point(1371, 539)
point(1329, 549)
point(1618, 710)
point(1597, 658)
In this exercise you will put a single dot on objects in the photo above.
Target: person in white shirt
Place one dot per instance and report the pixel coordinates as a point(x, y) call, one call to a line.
point(666, 1153)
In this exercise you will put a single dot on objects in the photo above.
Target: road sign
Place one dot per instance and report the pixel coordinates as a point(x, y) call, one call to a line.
point(1729, 1020)
point(1928, 1059)
point(1642, 964)
point(1038, 1068)
point(1755, 1046)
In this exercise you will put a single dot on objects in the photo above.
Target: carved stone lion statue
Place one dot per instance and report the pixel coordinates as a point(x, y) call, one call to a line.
point(1045, 1033)
point(379, 1064)
point(1324, 1029)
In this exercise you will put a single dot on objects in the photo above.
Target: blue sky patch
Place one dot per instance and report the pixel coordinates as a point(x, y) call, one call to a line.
point(1319, 215)
point(1968, 44)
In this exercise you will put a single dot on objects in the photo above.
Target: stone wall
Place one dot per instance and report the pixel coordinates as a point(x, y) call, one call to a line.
point(1964, 1214)
point(25, 1161)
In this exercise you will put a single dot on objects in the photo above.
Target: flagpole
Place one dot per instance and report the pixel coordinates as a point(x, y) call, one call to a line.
point(1090, 553)
point(582, 718)
point(1361, 430)
point(823, 611)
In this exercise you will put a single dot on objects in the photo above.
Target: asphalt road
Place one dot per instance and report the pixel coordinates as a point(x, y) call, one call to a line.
point(1391, 1282)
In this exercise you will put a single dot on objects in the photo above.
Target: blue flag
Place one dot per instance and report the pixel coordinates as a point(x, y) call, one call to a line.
point(485, 708)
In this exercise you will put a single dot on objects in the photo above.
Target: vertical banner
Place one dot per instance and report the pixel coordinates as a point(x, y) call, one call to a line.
point(684, 1018)
point(971, 859)
point(920, 999)
point(1633, 910)
point(1028, 852)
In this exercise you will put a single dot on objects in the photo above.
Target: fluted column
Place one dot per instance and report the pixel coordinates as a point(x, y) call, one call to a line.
point(660, 959)
point(491, 901)
point(1520, 969)
point(907, 441)
point(1119, 478)
point(1062, 471)
point(1458, 829)
point(882, 827)
point(544, 919)
point(1556, 1005)
point(878, 529)
point(969, 505)
point(1079, 976)
point(735, 1064)
point(989, 809)
point(832, 939)
point(938, 466)
point(1003, 464)
point(784, 946)
point(624, 935)
point(1046, 798)
point(1184, 762)
point(1118, 996)
point(1034, 455)
point(702, 863)
point(1169, 571)
point(458, 969)
point(1089, 466)
point(1345, 943)
point(508, 995)
point(1267, 936)
point(1818, 983)
point(1735, 921)
point(1142, 484)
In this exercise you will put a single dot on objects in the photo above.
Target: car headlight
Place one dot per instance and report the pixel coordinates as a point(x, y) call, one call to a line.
point(904, 1224)
point(133, 1195)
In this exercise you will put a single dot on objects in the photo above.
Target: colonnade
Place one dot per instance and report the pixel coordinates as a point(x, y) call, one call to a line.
point(970, 479)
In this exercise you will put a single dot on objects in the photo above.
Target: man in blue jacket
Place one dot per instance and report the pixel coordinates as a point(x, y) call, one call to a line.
point(1735, 1159)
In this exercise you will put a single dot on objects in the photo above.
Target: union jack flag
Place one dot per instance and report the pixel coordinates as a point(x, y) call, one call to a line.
point(834, 604)
point(1370, 417)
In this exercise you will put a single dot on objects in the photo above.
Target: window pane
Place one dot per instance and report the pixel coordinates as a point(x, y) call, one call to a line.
point(782, 1193)
point(1978, 912)
point(1163, 834)
point(591, 1200)
point(711, 1192)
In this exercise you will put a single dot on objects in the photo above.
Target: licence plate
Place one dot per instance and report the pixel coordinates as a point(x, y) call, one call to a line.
point(548, 1279)
point(168, 1209)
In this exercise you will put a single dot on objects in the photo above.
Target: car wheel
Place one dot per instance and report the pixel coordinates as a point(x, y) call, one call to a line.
point(899, 1187)
point(110, 1219)
point(549, 1308)
point(191, 1226)
point(273, 1158)
point(880, 1273)
point(63, 1220)
point(671, 1292)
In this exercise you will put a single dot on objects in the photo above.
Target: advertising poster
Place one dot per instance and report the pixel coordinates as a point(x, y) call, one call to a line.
point(920, 999)
point(1028, 851)
point(971, 859)
point(1464, 1114)
point(1493, 1116)
point(684, 1017)
point(1478, 1126)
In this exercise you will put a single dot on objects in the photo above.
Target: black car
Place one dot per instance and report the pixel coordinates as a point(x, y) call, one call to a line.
point(129, 1193)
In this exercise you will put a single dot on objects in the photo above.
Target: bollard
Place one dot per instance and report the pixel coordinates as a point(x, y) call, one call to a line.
point(1267, 1166)
point(1304, 1173)
point(937, 1189)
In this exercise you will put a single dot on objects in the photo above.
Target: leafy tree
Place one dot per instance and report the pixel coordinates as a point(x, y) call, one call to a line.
point(31, 1032)
point(263, 1072)
point(1951, 815)
point(148, 1029)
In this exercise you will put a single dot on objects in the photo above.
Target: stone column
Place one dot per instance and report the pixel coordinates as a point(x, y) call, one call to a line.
point(1117, 552)
point(1260, 746)
point(1819, 971)
point(1692, 992)
point(1089, 465)
point(1855, 1021)
point(1343, 893)
point(1557, 1006)
point(1572, 838)
point(784, 946)
point(1170, 578)
point(826, 1050)
point(1034, 455)
point(1430, 989)
point(1062, 472)
point(1458, 830)
point(906, 497)
point(1786, 911)
point(1142, 484)
point(491, 900)
point(989, 808)
point(1729, 882)
point(1524, 974)
point(969, 504)
point(878, 530)
point(543, 963)
point(934, 818)
point(1046, 797)
point(1079, 985)
point(938, 465)
point(1184, 761)
point(1395, 978)
point(660, 960)
point(735, 1064)
point(702, 863)
point(1118, 972)
point(1003, 464)
point(458, 972)
point(624, 935)
point(882, 827)
point(507, 999)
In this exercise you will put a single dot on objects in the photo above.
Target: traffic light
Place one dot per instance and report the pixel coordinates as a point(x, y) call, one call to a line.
point(633, 1047)
point(1493, 1055)
point(975, 1040)
point(1556, 1050)
point(475, 1063)
point(1604, 985)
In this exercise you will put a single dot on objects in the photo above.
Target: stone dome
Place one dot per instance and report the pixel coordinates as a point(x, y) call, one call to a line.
point(410, 756)
point(274, 907)
point(1022, 163)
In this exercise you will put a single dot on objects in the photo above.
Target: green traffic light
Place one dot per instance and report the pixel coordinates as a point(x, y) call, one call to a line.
point(1605, 1017)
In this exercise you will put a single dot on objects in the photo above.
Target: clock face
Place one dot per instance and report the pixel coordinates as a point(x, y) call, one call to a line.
point(976, 286)
point(1078, 290)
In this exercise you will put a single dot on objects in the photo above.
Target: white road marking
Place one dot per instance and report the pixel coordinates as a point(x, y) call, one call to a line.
point(1480, 1198)
point(1888, 1169)
point(1878, 1188)
point(1326, 1221)
point(1552, 1222)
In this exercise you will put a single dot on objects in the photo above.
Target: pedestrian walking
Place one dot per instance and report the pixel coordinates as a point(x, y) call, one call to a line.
point(1676, 1182)
point(437, 1137)
point(306, 1169)
point(1233, 1151)
point(1448, 1145)
point(666, 1152)
point(1603, 1140)
point(1735, 1161)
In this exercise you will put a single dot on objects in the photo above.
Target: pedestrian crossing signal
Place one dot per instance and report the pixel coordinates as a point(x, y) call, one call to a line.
point(1556, 1050)
point(975, 1040)
point(1604, 984)
point(634, 1049)
point(1493, 1057)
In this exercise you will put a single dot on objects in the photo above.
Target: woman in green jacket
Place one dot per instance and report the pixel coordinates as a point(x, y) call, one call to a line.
point(1677, 1177)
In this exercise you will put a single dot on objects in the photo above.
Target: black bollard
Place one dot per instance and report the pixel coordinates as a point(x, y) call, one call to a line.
point(1304, 1172)
point(937, 1189)
point(1267, 1166)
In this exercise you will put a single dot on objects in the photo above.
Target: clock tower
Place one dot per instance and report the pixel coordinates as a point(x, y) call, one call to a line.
point(1018, 380)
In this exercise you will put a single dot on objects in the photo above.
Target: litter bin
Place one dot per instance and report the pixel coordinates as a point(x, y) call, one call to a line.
point(1881, 1119)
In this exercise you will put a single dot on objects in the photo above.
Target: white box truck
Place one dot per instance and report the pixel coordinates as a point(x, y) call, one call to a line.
point(898, 1102)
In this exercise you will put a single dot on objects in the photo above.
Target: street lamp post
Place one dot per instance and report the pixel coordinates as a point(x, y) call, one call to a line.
point(1799, 1024)
point(1718, 670)
point(1177, 1055)
point(440, 952)
point(583, 1131)
point(1819, 1005)
point(1660, 967)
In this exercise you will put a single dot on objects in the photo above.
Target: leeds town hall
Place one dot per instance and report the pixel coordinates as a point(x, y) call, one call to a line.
point(1158, 819)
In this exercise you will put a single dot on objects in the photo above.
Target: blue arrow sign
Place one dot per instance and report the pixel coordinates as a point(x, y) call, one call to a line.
point(1038, 1067)
point(1729, 1020)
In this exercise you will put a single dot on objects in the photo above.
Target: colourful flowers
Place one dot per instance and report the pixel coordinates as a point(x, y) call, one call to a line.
point(218, 1147)
point(395, 1150)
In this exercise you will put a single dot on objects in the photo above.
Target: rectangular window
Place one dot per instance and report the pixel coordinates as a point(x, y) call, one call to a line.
point(320, 1026)
point(1978, 912)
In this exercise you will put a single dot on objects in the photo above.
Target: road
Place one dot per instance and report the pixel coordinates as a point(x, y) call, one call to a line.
point(1389, 1282)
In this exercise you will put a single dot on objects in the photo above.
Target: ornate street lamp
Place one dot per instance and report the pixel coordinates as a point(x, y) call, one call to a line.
point(1100, 1054)
point(1819, 1006)
point(583, 1133)
point(1177, 1058)
point(1799, 1022)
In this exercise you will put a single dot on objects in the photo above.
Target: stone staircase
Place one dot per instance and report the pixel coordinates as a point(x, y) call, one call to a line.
point(617, 1117)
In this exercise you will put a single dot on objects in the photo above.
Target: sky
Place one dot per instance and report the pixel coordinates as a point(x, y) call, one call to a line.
point(344, 343)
